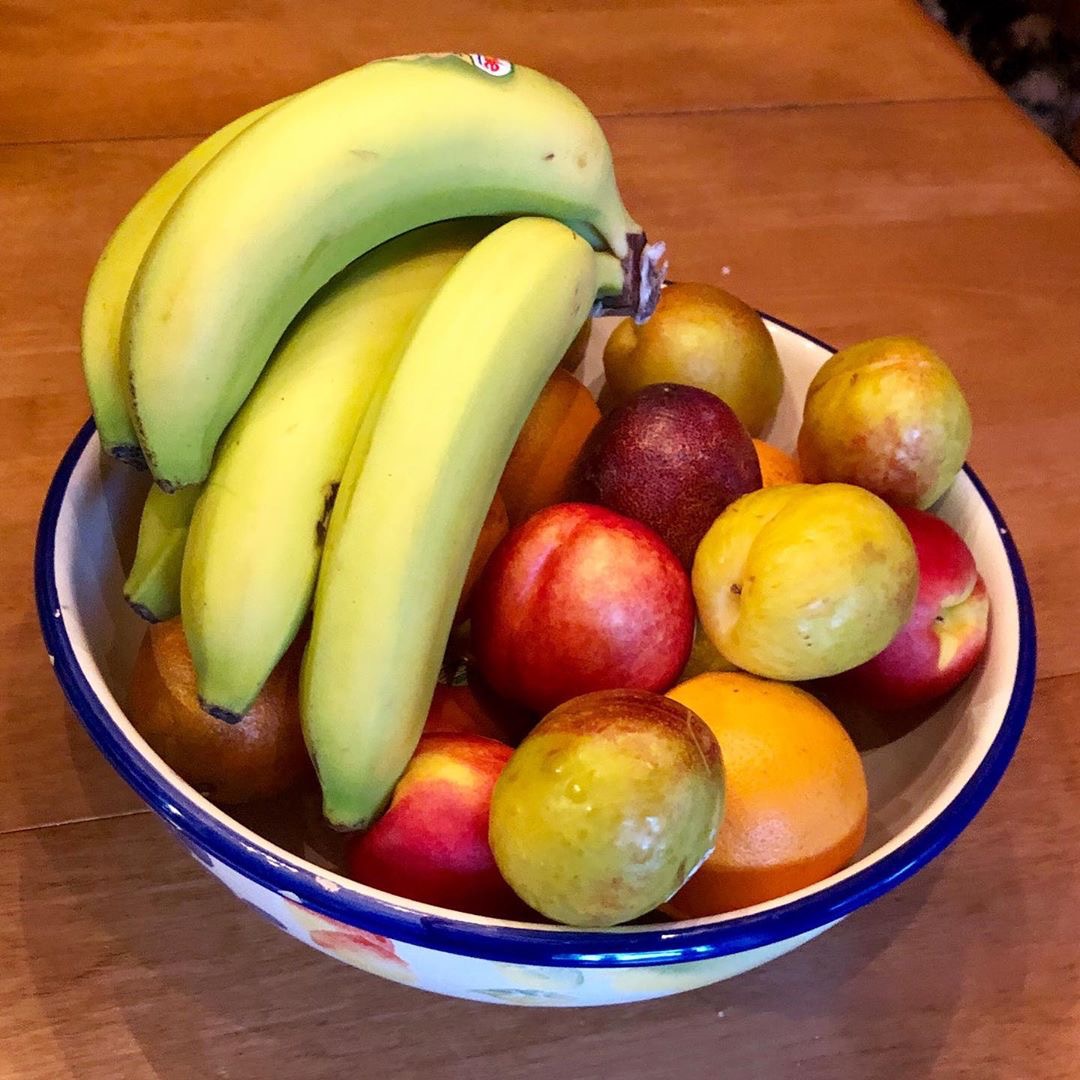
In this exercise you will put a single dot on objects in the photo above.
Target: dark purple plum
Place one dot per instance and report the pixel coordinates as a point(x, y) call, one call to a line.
point(673, 457)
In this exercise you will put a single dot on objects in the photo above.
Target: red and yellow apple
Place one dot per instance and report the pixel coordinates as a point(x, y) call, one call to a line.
point(889, 416)
point(578, 599)
point(942, 641)
point(431, 844)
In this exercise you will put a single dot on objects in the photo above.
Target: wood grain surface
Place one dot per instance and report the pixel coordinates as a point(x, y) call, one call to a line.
point(117, 68)
point(835, 162)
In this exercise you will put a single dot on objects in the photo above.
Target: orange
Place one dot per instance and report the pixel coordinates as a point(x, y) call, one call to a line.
point(496, 525)
point(796, 798)
point(776, 467)
point(537, 473)
point(261, 756)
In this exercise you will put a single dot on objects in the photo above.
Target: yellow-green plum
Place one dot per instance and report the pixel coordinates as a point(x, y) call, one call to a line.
point(607, 807)
point(701, 336)
point(805, 580)
point(888, 415)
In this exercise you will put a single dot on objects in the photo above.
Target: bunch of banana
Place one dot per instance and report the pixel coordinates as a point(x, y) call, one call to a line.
point(342, 441)
point(323, 178)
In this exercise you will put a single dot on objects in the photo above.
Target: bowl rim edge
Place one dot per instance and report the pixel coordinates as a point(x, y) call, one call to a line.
point(620, 947)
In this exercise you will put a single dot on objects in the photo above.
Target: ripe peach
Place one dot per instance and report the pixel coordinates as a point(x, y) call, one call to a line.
point(938, 646)
point(431, 844)
point(579, 599)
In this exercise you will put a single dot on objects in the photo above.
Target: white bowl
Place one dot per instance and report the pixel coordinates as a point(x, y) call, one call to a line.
point(924, 787)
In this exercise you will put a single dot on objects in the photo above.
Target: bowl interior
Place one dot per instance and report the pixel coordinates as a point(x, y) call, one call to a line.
point(912, 777)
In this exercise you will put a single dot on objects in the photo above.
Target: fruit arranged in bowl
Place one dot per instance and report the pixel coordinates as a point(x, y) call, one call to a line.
point(538, 665)
point(923, 786)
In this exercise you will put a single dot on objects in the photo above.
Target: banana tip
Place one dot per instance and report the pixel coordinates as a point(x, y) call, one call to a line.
point(142, 610)
point(129, 454)
point(219, 712)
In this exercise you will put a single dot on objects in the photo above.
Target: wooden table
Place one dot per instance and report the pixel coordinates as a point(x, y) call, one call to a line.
point(858, 176)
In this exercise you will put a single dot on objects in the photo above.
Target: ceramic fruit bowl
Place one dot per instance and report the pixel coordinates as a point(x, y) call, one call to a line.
point(925, 787)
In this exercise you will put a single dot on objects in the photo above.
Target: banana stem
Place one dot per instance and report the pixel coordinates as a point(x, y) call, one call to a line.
point(641, 275)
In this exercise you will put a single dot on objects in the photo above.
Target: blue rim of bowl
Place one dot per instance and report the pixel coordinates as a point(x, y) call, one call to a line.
point(624, 947)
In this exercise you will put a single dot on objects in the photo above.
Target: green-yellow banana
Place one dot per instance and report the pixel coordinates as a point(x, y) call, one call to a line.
point(256, 538)
point(408, 514)
point(328, 175)
point(153, 586)
point(110, 285)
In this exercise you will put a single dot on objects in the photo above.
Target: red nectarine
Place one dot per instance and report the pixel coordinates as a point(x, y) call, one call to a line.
point(578, 599)
point(431, 844)
point(943, 639)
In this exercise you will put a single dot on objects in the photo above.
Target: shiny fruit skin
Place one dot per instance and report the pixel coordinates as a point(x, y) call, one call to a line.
point(261, 756)
point(672, 457)
point(431, 844)
point(805, 580)
point(537, 473)
point(889, 416)
point(796, 804)
point(579, 599)
point(607, 807)
point(702, 336)
point(941, 643)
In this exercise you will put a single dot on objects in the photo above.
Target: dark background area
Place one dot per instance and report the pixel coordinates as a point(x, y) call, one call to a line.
point(1031, 48)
